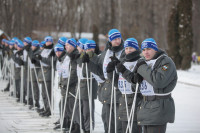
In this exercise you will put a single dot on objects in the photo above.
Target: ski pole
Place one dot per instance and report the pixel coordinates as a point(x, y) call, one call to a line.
point(66, 95)
point(133, 108)
point(45, 84)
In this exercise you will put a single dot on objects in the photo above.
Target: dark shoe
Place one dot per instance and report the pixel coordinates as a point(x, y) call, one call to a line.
point(47, 114)
point(37, 104)
point(43, 112)
point(6, 89)
point(18, 100)
point(58, 128)
point(40, 110)
point(31, 107)
point(86, 131)
point(76, 128)
point(57, 122)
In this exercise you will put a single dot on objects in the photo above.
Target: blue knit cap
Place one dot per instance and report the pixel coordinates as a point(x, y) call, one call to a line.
point(113, 34)
point(90, 44)
point(4, 40)
point(15, 39)
point(149, 43)
point(28, 40)
point(81, 42)
point(62, 40)
point(48, 39)
point(72, 42)
point(11, 42)
point(58, 47)
point(20, 43)
point(36, 43)
point(42, 43)
point(131, 42)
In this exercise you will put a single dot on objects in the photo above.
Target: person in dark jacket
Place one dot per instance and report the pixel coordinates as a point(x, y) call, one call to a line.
point(124, 68)
point(157, 76)
point(34, 68)
point(100, 67)
point(86, 99)
point(27, 46)
point(17, 57)
point(46, 94)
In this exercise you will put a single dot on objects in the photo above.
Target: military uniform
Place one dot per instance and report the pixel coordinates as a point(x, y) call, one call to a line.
point(34, 68)
point(157, 107)
point(104, 93)
point(85, 107)
point(63, 67)
point(128, 91)
point(47, 74)
point(17, 58)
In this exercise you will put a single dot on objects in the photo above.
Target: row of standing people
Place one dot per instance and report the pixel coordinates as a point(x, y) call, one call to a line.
point(127, 84)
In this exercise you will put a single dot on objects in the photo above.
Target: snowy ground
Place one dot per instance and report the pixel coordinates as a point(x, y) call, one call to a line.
point(15, 117)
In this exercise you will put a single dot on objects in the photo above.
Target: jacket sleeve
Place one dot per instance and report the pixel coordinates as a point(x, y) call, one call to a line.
point(161, 75)
point(17, 60)
point(73, 74)
point(96, 65)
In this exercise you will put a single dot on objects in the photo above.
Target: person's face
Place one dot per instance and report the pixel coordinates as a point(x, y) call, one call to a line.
point(25, 43)
point(58, 53)
point(102, 47)
point(6, 44)
point(129, 50)
point(33, 47)
point(2, 43)
point(88, 50)
point(69, 48)
point(148, 53)
point(41, 48)
point(10, 46)
point(48, 43)
point(116, 42)
point(15, 45)
point(80, 50)
point(18, 48)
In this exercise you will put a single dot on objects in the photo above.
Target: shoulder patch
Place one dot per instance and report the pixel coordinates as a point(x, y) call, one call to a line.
point(165, 67)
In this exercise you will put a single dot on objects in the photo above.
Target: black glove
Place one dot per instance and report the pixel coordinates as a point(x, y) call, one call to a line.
point(27, 48)
point(33, 61)
point(110, 67)
point(121, 68)
point(72, 57)
point(137, 78)
point(85, 58)
point(21, 63)
point(52, 53)
point(115, 60)
point(139, 63)
point(38, 56)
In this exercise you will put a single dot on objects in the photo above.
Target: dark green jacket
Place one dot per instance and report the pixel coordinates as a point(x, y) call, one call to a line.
point(96, 66)
point(163, 78)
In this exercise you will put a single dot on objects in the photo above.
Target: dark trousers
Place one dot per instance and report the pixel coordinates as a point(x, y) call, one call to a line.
point(44, 95)
point(155, 128)
point(17, 86)
point(106, 116)
point(35, 91)
point(85, 114)
point(135, 127)
point(68, 110)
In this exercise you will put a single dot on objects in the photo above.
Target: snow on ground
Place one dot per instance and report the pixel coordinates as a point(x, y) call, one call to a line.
point(186, 97)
